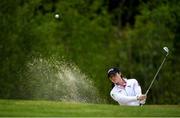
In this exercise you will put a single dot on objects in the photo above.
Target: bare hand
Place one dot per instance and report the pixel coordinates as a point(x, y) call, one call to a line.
point(141, 97)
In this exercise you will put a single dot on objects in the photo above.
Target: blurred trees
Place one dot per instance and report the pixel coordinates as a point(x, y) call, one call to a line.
point(82, 35)
point(156, 26)
point(95, 35)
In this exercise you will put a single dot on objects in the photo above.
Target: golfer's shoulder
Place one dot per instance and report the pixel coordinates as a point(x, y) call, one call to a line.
point(114, 90)
point(132, 80)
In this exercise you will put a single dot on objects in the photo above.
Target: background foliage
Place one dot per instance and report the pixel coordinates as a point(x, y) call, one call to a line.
point(95, 35)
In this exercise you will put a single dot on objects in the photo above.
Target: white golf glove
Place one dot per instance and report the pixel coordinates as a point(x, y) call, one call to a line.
point(143, 102)
point(142, 99)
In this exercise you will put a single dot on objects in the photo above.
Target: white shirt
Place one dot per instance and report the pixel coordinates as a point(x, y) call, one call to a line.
point(127, 95)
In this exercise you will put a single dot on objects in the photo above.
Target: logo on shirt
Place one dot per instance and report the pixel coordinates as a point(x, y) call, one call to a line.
point(112, 95)
point(129, 86)
point(119, 91)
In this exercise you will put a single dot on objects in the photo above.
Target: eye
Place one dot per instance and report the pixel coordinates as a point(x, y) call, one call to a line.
point(113, 75)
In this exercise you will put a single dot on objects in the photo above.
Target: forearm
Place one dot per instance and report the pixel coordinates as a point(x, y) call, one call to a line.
point(124, 99)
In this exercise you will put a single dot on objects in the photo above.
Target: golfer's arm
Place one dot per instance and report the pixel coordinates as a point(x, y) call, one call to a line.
point(137, 88)
point(124, 99)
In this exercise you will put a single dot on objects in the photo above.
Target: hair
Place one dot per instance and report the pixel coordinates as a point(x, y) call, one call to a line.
point(122, 76)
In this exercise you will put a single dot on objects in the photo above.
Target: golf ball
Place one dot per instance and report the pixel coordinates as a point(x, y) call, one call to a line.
point(56, 16)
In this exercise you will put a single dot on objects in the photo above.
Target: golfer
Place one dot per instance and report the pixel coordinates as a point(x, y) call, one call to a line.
point(125, 91)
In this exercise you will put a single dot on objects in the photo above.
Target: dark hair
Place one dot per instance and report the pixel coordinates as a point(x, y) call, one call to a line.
point(113, 71)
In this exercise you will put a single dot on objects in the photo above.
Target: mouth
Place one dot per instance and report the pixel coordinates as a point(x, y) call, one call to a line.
point(116, 83)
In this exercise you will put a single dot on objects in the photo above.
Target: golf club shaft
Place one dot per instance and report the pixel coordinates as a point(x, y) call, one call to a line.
point(155, 75)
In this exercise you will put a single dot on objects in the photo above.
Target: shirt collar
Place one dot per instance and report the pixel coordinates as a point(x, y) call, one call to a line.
point(124, 85)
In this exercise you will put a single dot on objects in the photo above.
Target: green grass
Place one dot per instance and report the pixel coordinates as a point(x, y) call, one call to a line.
point(29, 108)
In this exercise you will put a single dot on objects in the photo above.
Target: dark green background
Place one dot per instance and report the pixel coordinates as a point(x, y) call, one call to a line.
point(95, 35)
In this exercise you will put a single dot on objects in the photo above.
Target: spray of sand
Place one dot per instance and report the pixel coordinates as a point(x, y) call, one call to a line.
point(58, 80)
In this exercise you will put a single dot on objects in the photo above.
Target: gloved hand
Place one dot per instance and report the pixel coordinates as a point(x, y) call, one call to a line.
point(142, 102)
point(142, 99)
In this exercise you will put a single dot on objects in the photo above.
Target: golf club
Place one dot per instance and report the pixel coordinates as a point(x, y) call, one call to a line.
point(167, 53)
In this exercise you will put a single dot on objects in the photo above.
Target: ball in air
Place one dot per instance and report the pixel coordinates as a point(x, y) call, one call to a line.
point(56, 16)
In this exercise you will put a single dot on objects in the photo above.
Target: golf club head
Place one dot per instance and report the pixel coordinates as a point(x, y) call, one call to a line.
point(166, 49)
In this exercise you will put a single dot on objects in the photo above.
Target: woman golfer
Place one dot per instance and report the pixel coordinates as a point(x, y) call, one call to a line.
point(125, 91)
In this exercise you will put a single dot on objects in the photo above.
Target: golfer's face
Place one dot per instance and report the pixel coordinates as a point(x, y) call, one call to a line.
point(116, 78)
